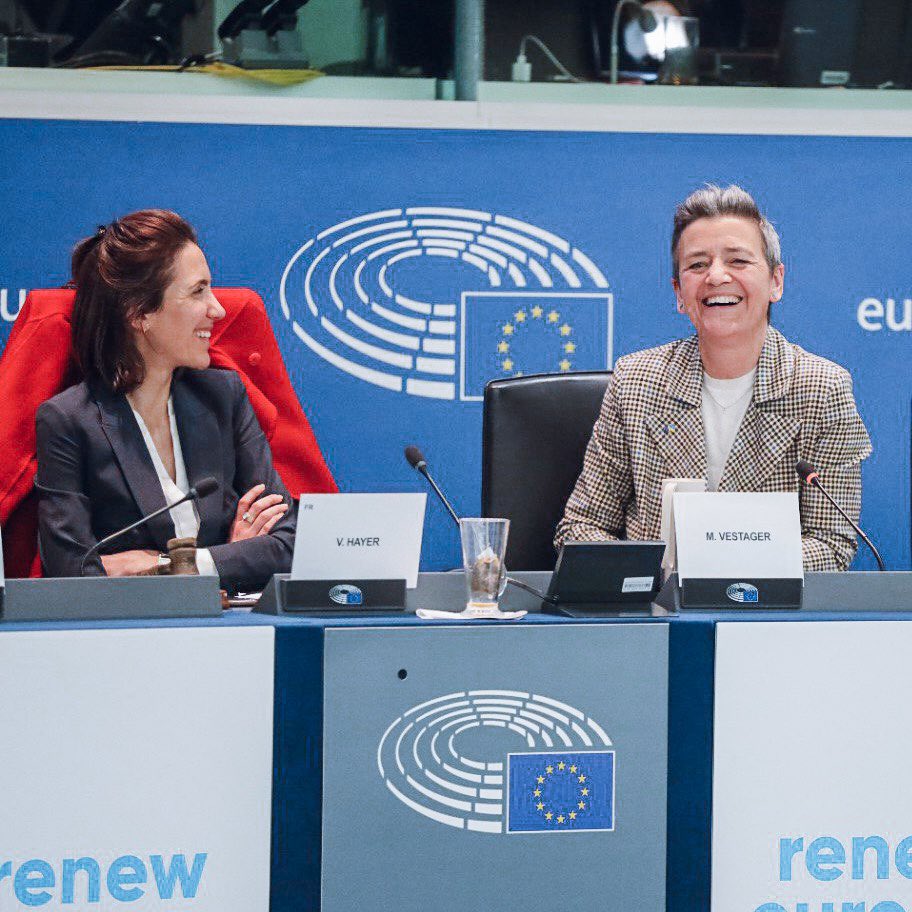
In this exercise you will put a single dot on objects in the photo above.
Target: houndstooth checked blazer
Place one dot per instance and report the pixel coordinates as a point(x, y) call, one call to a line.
point(651, 428)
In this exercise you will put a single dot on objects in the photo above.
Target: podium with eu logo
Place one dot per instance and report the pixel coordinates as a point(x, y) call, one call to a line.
point(478, 766)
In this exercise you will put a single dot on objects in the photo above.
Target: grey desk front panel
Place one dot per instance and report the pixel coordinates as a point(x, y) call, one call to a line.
point(380, 853)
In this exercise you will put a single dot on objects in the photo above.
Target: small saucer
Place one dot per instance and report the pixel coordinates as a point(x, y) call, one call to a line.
point(486, 613)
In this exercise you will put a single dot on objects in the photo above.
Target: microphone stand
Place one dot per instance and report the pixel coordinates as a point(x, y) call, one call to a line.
point(206, 486)
point(815, 482)
point(421, 466)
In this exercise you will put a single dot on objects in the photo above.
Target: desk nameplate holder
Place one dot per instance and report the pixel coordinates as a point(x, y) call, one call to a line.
point(102, 598)
point(738, 549)
point(284, 595)
point(746, 594)
point(757, 594)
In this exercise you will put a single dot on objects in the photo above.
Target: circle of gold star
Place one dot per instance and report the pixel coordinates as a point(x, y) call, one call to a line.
point(523, 317)
point(551, 773)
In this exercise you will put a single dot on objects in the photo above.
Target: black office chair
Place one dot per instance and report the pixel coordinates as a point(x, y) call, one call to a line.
point(533, 439)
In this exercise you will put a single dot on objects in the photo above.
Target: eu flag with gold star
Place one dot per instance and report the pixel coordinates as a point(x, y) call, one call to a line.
point(509, 334)
point(554, 792)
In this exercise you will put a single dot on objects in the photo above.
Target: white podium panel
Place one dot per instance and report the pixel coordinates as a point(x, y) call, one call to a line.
point(812, 805)
point(136, 768)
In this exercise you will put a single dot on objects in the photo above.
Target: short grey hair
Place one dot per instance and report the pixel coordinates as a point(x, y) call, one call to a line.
point(713, 201)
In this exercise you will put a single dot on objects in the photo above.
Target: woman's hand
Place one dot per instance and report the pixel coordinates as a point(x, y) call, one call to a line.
point(256, 514)
point(130, 563)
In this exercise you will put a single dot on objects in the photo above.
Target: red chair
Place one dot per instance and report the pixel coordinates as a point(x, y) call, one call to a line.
point(37, 363)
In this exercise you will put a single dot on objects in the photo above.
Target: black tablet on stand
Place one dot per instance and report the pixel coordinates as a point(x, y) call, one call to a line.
point(601, 579)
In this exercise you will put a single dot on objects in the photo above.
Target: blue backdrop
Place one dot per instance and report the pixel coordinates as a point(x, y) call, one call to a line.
point(403, 268)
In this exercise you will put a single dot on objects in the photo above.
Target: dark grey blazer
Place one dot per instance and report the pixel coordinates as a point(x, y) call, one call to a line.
point(95, 476)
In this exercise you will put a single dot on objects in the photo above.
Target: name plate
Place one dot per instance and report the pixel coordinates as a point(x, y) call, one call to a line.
point(359, 536)
point(739, 549)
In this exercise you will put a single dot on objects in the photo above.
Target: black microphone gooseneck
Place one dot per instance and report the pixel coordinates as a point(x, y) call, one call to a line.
point(809, 475)
point(204, 486)
point(416, 460)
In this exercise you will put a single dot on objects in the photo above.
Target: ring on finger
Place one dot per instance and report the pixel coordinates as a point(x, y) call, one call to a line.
point(247, 517)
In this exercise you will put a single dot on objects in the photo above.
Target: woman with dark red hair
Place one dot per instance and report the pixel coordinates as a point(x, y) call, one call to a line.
point(150, 420)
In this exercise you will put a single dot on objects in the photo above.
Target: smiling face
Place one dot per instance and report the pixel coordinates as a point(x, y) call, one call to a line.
point(725, 285)
point(177, 334)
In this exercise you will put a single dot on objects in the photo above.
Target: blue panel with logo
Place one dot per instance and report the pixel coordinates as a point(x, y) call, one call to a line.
point(403, 269)
point(561, 792)
point(437, 739)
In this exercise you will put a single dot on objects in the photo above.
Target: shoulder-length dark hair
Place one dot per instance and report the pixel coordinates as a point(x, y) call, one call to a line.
point(120, 274)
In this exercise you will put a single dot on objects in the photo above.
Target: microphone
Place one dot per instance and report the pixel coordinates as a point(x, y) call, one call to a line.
point(417, 461)
point(809, 475)
point(203, 487)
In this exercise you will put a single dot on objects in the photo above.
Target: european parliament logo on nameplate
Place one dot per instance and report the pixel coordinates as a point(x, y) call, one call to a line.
point(738, 549)
point(362, 536)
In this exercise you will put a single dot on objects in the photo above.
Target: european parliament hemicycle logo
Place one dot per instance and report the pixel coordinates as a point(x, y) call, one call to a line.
point(562, 781)
point(435, 301)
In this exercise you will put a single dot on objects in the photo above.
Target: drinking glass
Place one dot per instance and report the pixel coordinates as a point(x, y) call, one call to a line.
point(484, 543)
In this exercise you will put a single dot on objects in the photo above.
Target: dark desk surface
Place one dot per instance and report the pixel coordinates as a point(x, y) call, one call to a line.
point(827, 597)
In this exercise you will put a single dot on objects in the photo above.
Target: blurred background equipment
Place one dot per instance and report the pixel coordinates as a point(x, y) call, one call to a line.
point(659, 39)
point(809, 43)
point(883, 51)
point(263, 34)
point(818, 42)
point(107, 32)
point(645, 24)
point(72, 22)
point(855, 43)
point(412, 37)
point(138, 32)
point(24, 50)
